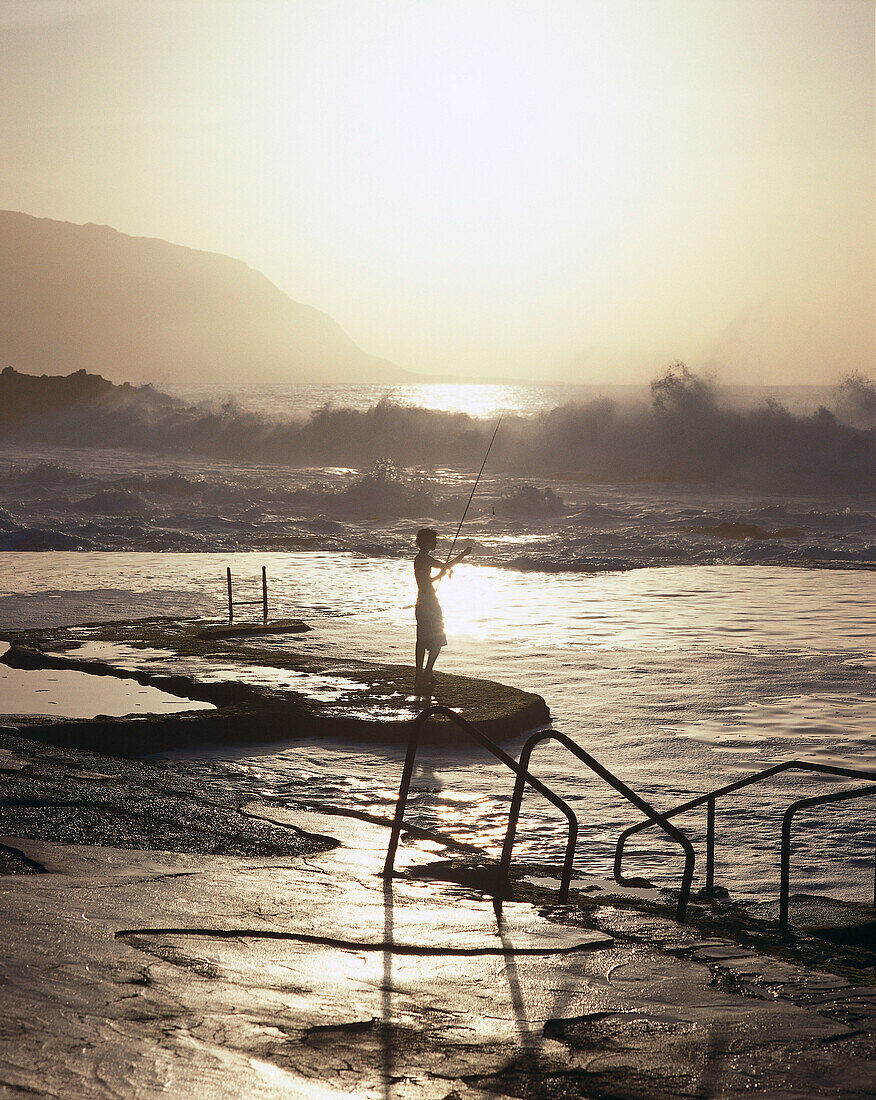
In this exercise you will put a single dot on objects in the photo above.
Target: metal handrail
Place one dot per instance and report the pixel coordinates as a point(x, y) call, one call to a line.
point(804, 804)
point(501, 755)
point(710, 799)
point(263, 600)
point(655, 817)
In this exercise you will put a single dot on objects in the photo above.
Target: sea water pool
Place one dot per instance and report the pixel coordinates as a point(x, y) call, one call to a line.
point(679, 679)
point(66, 693)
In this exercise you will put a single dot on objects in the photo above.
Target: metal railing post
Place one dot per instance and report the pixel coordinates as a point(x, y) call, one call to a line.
point(524, 776)
point(511, 831)
point(608, 777)
point(500, 755)
point(787, 820)
point(730, 788)
point(402, 801)
point(710, 846)
point(263, 599)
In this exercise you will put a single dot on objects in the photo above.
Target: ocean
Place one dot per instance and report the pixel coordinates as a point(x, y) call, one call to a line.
point(684, 631)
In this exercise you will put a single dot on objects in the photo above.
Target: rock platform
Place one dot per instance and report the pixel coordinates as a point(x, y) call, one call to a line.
point(262, 689)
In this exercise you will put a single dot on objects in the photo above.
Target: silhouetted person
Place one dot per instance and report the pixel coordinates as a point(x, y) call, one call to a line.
point(430, 622)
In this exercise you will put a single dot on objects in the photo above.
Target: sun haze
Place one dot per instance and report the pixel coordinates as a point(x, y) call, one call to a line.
point(574, 190)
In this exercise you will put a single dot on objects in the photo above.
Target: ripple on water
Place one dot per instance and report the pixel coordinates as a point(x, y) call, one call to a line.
point(830, 728)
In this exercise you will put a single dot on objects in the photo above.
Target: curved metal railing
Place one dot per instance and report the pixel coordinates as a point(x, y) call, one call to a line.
point(524, 777)
point(500, 755)
point(654, 817)
point(787, 820)
point(711, 797)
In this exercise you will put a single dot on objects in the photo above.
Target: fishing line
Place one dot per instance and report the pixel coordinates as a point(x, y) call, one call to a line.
point(468, 505)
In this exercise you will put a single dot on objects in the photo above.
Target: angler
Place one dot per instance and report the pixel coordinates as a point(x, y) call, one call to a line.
point(430, 621)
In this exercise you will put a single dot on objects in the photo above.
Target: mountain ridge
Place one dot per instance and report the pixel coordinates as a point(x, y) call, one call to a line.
point(89, 297)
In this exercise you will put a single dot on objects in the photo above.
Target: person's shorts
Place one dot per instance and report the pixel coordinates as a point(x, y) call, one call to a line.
point(430, 625)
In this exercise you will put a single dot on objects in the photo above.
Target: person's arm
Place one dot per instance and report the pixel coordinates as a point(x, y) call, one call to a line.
point(455, 561)
point(434, 563)
point(445, 566)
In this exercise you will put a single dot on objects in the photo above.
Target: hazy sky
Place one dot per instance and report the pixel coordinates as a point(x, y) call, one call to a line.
point(578, 189)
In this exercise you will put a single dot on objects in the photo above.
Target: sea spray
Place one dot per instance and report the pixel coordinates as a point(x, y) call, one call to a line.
point(684, 435)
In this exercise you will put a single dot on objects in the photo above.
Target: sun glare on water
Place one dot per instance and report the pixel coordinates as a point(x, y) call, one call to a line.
point(482, 401)
point(472, 598)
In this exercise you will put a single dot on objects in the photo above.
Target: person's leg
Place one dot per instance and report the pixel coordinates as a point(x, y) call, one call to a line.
point(433, 657)
point(420, 676)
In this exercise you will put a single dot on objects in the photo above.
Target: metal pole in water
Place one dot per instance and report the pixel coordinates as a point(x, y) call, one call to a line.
point(230, 601)
point(264, 594)
point(710, 846)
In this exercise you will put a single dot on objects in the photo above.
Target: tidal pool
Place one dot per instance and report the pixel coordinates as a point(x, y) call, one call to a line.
point(63, 693)
point(372, 702)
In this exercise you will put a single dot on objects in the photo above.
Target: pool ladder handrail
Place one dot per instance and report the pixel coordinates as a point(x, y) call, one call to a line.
point(525, 777)
point(654, 816)
point(787, 820)
point(711, 797)
point(501, 755)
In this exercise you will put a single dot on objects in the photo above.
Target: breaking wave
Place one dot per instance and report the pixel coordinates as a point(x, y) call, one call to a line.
point(529, 500)
point(384, 491)
point(684, 435)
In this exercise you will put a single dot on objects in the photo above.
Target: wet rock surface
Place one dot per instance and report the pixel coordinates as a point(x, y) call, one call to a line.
point(233, 972)
point(262, 692)
point(15, 862)
point(79, 798)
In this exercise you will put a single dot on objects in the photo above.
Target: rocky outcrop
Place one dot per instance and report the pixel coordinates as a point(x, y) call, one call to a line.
point(260, 693)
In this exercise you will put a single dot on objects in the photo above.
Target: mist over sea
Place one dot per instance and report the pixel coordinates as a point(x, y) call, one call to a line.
point(489, 399)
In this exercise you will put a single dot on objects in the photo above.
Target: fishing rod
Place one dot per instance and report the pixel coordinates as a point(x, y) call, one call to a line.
point(471, 496)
